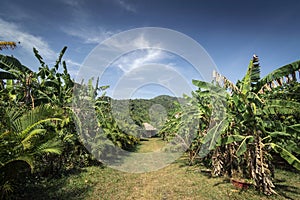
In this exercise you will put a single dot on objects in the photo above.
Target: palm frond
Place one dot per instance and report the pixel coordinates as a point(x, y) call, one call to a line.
point(51, 146)
point(26, 141)
point(10, 118)
point(34, 117)
point(27, 158)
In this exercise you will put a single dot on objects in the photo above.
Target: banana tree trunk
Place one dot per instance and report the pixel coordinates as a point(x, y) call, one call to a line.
point(259, 168)
point(218, 158)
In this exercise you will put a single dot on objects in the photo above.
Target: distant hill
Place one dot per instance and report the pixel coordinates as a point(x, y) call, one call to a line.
point(154, 111)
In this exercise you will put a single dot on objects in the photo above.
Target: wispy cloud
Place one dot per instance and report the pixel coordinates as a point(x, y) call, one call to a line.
point(138, 52)
point(73, 3)
point(73, 67)
point(13, 11)
point(125, 5)
point(88, 35)
point(160, 75)
point(11, 32)
point(73, 63)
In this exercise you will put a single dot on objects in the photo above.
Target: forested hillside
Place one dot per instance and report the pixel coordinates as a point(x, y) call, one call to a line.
point(154, 111)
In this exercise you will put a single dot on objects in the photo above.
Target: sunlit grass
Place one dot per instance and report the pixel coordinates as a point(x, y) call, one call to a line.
point(176, 181)
point(151, 145)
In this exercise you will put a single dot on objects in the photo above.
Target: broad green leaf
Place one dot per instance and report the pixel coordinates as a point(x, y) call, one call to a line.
point(7, 75)
point(58, 61)
point(279, 134)
point(230, 139)
point(281, 106)
point(280, 72)
point(243, 146)
point(201, 84)
point(252, 76)
point(213, 134)
point(9, 63)
point(290, 158)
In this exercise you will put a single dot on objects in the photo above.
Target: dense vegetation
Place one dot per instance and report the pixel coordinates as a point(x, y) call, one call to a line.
point(238, 130)
point(241, 127)
point(40, 129)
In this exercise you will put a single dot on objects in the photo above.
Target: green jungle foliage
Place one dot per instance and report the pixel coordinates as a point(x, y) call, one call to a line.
point(154, 111)
point(46, 127)
point(242, 129)
point(51, 125)
point(40, 128)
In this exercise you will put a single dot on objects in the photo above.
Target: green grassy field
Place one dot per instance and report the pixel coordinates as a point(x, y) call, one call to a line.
point(176, 181)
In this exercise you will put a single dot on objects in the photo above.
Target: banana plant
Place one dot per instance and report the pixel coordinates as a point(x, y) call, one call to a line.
point(188, 123)
point(19, 79)
point(244, 144)
point(113, 128)
point(54, 87)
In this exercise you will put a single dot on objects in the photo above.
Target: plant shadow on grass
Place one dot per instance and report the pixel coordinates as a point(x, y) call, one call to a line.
point(58, 187)
point(116, 157)
point(285, 189)
point(283, 179)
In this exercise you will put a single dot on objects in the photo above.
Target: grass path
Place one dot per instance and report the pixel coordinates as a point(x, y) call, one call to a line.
point(176, 181)
point(150, 145)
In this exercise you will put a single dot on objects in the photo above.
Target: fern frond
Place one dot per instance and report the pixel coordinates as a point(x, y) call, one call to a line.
point(51, 146)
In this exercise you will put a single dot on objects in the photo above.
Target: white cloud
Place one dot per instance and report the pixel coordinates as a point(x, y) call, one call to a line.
point(140, 58)
point(11, 32)
point(73, 63)
point(130, 42)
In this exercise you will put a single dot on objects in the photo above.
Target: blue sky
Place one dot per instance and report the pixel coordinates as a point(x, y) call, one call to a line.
point(230, 31)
